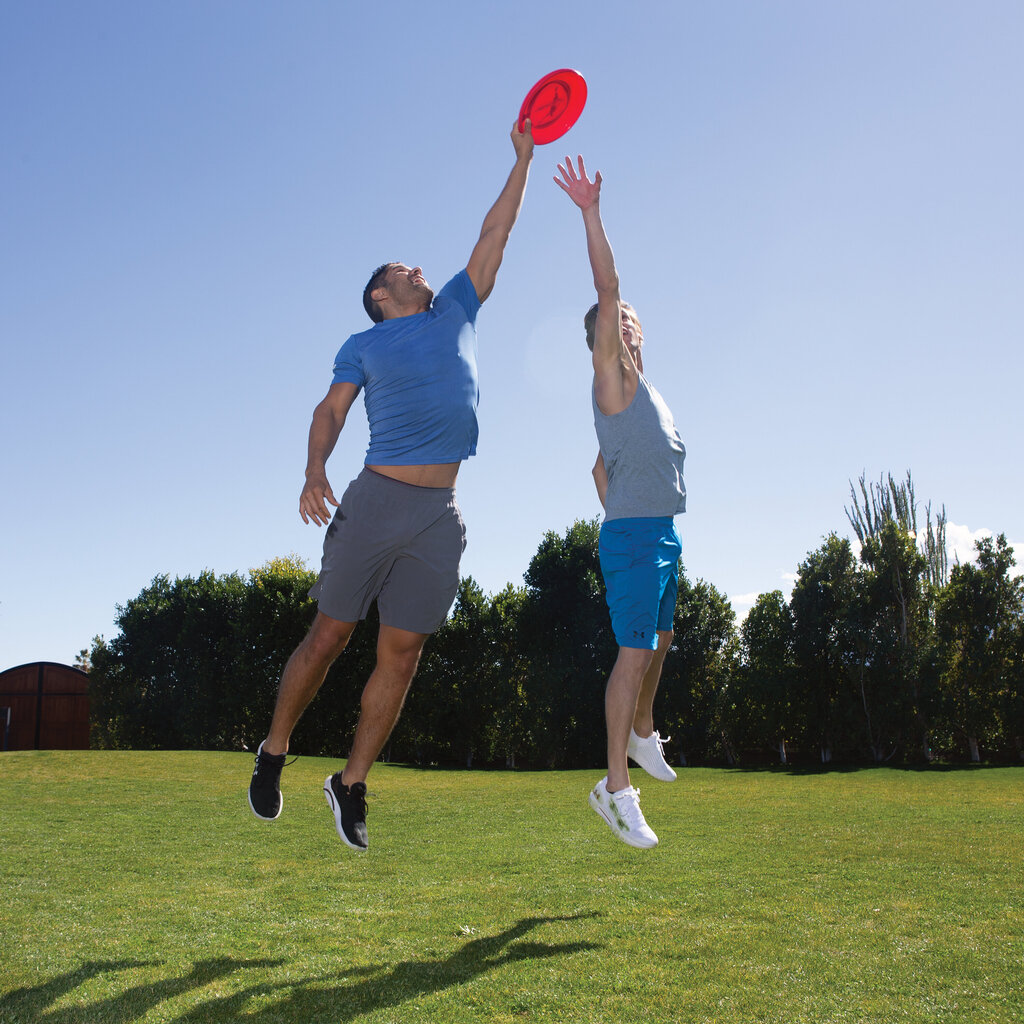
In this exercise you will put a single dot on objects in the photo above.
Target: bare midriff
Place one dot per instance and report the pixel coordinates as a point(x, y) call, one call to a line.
point(441, 475)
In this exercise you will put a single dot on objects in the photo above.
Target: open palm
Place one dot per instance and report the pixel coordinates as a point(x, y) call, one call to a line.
point(575, 183)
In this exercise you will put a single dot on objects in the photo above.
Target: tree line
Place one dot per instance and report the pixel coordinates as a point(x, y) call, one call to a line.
point(884, 655)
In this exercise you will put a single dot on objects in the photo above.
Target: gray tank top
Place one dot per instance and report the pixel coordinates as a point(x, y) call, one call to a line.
point(643, 456)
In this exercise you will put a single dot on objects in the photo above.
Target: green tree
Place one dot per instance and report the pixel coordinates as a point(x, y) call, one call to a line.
point(161, 683)
point(891, 637)
point(979, 621)
point(515, 725)
point(695, 691)
point(823, 647)
point(450, 705)
point(197, 660)
point(766, 675)
point(566, 633)
point(892, 626)
point(1012, 710)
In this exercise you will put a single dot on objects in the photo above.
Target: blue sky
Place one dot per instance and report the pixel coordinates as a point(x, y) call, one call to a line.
point(815, 208)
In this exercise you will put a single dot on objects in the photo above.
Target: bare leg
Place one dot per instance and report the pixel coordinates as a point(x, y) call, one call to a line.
point(643, 720)
point(304, 675)
point(620, 708)
point(398, 654)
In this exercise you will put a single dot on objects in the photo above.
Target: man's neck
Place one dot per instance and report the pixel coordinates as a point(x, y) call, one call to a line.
point(396, 315)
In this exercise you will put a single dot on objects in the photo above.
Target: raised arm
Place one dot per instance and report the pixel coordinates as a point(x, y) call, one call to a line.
point(490, 247)
point(615, 374)
point(328, 419)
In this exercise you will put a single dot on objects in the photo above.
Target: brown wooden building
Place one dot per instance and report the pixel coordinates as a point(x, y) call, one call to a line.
point(48, 707)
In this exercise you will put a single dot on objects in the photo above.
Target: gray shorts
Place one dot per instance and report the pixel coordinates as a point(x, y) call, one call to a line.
point(395, 543)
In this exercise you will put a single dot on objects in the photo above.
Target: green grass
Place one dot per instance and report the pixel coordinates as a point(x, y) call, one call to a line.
point(139, 887)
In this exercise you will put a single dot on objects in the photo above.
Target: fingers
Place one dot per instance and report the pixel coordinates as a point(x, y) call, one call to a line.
point(578, 174)
point(522, 140)
point(313, 507)
point(321, 518)
point(575, 183)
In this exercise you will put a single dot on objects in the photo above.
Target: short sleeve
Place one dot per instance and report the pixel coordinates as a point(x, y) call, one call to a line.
point(460, 289)
point(348, 366)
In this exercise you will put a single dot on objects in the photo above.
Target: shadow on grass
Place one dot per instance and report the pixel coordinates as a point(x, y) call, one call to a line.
point(383, 986)
point(29, 1005)
point(307, 999)
point(378, 987)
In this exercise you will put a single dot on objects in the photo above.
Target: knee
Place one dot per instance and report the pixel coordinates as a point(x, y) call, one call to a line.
point(400, 654)
point(402, 662)
point(327, 638)
point(635, 660)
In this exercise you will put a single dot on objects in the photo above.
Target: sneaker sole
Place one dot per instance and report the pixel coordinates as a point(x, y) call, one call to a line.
point(616, 831)
point(660, 778)
point(261, 817)
point(336, 811)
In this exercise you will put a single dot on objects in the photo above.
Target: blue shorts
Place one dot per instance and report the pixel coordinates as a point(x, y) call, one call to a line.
point(640, 565)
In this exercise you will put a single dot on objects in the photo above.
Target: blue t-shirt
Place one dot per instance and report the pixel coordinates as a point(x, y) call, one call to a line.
point(419, 380)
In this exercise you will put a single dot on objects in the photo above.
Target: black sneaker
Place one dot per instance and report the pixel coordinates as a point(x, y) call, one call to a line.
point(265, 788)
point(348, 805)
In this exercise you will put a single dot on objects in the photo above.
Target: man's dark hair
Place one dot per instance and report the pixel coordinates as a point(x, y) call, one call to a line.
point(589, 323)
point(373, 311)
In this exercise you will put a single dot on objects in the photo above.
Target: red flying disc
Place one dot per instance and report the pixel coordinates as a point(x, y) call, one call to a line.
point(554, 104)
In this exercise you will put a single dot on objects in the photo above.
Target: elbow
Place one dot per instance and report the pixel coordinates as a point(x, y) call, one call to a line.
point(327, 419)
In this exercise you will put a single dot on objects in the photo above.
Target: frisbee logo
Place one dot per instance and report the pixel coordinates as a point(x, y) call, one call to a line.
point(554, 104)
point(555, 97)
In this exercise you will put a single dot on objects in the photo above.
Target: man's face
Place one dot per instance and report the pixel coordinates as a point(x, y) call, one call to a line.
point(408, 287)
point(631, 333)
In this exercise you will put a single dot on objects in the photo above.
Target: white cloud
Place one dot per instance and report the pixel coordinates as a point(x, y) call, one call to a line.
point(960, 541)
point(742, 603)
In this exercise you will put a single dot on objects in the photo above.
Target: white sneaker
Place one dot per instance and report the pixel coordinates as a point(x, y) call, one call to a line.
point(622, 812)
point(649, 753)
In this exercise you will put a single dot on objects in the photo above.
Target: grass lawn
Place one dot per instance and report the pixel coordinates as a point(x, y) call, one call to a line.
point(139, 887)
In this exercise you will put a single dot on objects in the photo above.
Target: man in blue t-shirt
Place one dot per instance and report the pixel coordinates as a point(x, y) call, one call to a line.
point(397, 535)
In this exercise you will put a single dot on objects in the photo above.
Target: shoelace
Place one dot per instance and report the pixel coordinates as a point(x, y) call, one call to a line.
point(661, 742)
point(259, 768)
point(359, 799)
point(630, 807)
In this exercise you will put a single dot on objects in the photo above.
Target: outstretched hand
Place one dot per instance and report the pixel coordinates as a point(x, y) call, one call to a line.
point(577, 186)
